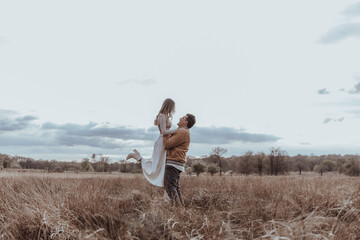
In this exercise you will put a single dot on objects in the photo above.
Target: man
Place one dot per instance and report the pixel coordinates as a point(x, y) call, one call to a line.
point(176, 146)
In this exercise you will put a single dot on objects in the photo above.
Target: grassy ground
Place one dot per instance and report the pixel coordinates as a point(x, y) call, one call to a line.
point(112, 206)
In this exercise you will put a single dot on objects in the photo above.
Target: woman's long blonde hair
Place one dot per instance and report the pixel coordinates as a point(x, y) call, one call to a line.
point(167, 108)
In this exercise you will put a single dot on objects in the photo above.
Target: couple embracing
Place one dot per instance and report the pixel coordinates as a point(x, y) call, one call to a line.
point(169, 154)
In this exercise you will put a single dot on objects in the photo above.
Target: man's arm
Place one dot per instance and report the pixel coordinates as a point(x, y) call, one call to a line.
point(174, 140)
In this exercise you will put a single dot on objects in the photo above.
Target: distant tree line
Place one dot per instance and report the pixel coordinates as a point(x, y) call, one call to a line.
point(102, 164)
point(275, 162)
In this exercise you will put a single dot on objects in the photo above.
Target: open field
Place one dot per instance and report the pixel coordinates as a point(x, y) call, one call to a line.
point(115, 206)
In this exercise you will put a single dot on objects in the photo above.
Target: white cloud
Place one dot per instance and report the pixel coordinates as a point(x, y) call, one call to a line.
point(10, 123)
point(226, 135)
point(23, 133)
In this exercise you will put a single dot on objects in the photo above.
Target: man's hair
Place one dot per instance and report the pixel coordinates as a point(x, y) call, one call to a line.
point(191, 120)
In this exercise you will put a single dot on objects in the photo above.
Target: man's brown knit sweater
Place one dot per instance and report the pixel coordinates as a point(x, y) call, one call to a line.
point(177, 145)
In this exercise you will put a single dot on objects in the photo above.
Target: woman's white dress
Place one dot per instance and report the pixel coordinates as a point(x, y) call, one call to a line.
point(154, 168)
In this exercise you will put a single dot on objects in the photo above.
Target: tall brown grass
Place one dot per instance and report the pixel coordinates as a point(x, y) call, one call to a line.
point(81, 206)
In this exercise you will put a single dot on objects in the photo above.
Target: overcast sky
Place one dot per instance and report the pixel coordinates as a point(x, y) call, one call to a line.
point(83, 77)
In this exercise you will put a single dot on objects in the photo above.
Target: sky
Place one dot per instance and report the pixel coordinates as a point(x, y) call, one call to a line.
point(83, 77)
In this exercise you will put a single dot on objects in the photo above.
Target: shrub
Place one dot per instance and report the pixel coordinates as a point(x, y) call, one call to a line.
point(199, 168)
point(352, 167)
point(212, 169)
point(86, 165)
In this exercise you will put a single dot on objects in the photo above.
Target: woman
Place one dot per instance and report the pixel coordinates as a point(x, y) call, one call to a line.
point(154, 169)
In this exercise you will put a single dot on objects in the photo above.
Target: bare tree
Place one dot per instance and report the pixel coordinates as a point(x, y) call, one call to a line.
point(320, 168)
point(277, 164)
point(245, 162)
point(300, 164)
point(105, 161)
point(259, 159)
point(123, 167)
point(93, 156)
point(218, 152)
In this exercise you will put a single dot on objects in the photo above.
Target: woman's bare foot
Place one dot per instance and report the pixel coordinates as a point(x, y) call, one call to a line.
point(136, 155)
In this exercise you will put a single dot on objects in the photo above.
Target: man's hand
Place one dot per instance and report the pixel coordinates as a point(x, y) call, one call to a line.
point(174, 140)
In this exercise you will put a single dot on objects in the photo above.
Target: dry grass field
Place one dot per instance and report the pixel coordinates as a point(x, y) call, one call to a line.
point(113, 206)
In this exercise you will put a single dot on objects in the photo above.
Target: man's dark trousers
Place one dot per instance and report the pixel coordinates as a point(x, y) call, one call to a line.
point(171, 184)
